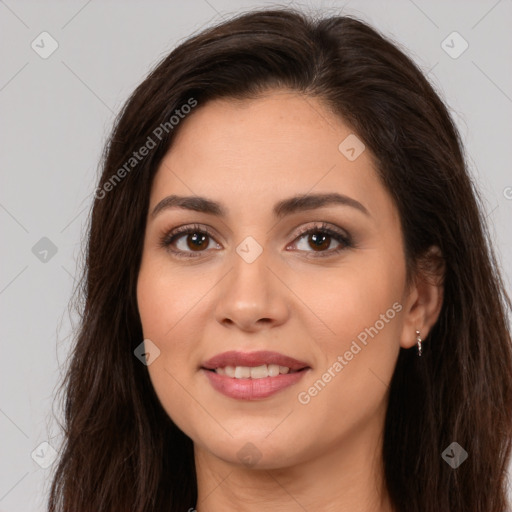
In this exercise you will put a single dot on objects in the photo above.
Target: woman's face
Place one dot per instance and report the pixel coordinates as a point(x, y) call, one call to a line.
point(334, 301)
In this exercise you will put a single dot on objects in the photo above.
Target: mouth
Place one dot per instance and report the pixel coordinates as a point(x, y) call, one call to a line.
point(254, 372)
point(252, 375)
point(253, 365)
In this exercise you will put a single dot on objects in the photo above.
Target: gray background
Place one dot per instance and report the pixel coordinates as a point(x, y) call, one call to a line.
point(56, 113)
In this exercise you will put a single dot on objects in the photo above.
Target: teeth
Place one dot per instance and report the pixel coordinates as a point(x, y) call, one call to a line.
point(242, 372)
point(259, 372)
point(273, 370)
point(256, 372)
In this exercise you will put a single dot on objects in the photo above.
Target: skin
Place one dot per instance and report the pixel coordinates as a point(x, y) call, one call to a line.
point(320, 456)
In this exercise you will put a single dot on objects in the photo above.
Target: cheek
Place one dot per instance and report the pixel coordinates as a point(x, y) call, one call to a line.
point(155, 293)
point(166, 307)
point(362, 310)
point(353, 299)
point(171, 308)
point(167, 298)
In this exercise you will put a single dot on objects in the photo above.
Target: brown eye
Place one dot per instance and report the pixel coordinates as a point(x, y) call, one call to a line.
point(320, 241)
point(320, 238)
point(191, 241)
point(196, 241)
point(187, 240)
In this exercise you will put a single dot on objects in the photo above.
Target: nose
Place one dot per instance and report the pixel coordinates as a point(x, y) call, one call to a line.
point(252, 297)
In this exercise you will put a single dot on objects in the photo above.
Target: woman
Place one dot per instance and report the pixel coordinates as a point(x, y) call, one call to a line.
point(290, 298)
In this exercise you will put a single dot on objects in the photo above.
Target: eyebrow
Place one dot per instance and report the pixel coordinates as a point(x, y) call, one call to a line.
point(281, 209)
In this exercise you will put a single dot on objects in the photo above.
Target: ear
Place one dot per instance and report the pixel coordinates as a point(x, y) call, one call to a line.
point(424, 299)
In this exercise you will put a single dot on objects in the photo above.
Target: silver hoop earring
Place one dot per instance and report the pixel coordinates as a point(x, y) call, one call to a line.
point(418, 342)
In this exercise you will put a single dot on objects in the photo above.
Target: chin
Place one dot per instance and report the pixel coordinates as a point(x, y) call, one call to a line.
point(255, 450)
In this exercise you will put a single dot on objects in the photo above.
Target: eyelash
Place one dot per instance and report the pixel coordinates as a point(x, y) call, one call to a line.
point(168, 239)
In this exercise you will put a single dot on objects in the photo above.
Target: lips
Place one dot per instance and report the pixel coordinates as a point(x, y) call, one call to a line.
point(283, 372)
point(253, 359)
point(252, 389)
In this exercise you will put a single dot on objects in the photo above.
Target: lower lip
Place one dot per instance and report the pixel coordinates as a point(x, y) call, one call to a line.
point(252, 389)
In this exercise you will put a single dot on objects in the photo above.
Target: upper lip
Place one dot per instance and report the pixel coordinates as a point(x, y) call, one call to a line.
point(236, 358)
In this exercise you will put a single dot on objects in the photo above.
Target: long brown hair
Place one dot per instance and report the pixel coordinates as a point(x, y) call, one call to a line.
point(121, 450)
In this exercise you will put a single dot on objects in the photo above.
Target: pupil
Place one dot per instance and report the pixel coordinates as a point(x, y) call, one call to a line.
point(319, 239)
point(198, 238)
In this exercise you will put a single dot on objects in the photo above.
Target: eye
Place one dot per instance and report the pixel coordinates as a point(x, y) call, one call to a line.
point(187, 240)
point(320, 238)
point(197, 242)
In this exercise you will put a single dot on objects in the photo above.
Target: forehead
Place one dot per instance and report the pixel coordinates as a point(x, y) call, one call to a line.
point(246, 152)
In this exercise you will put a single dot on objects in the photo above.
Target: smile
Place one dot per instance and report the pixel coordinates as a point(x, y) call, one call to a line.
point(255, 372)
point(252, 388)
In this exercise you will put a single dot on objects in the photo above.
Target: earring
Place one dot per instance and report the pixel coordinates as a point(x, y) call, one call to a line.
point(418, 342)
